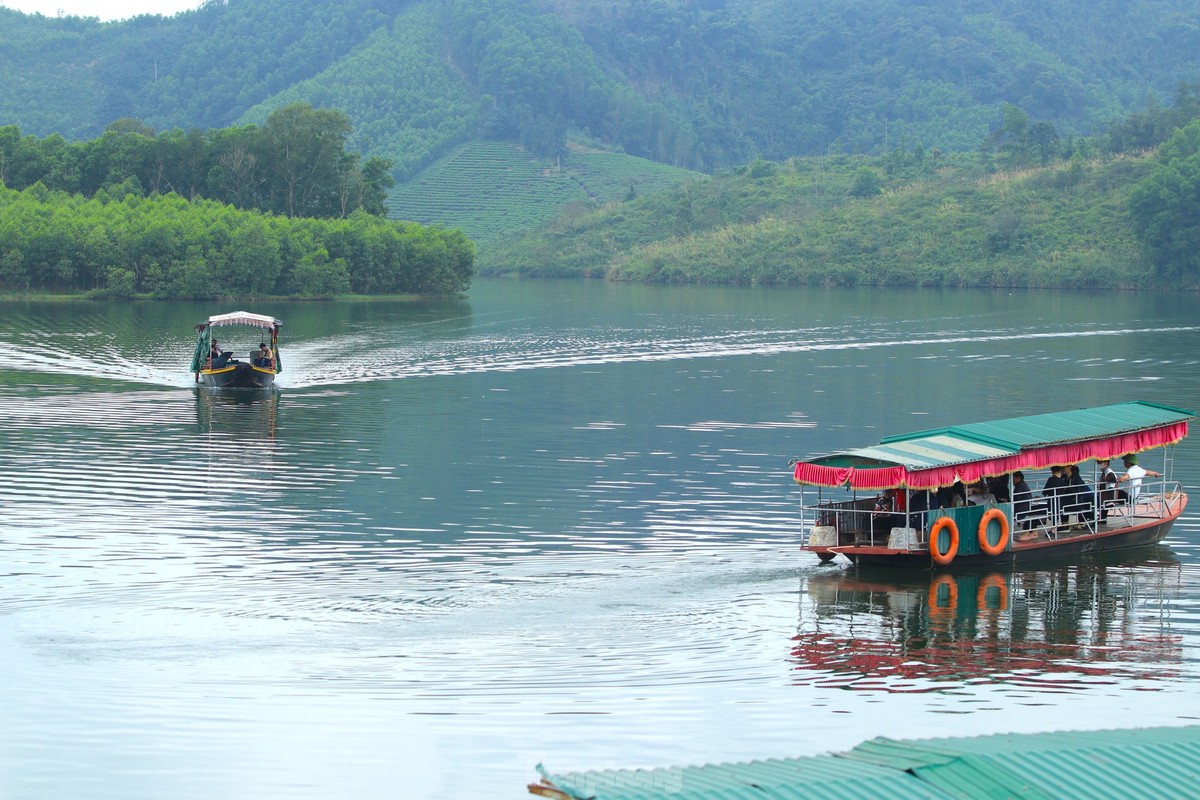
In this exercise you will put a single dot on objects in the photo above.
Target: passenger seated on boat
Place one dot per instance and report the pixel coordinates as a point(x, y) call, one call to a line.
point(978, 495)
point(1077, 496)
point(263, 357)
point(219, 357)
point(951, 496)
point(1053, 490)
point(998, 486)
point(1025, 511)
point(884, 516)
point(1109, 494)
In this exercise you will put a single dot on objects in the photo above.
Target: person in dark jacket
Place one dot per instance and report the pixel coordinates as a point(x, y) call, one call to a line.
point(1078, 498)
point(1053, 490)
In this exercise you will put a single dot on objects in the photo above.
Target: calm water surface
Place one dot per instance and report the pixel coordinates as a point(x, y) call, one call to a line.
point(550, 522)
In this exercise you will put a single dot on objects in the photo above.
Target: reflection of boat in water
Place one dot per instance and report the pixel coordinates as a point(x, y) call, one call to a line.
point(899, 630)
point(238, 416)
point(216, 367)
point(918, 519)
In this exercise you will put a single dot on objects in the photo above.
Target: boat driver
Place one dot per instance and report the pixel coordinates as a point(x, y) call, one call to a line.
point(264, 356)
point(219, 357)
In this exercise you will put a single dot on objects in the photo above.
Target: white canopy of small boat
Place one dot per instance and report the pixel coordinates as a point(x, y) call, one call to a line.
point(243, 318)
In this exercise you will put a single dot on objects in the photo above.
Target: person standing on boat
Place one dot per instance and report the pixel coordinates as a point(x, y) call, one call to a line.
point(1134, 474)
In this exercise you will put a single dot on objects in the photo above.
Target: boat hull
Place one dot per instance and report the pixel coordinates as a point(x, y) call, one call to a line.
point(1140, 533)
point(238, 375)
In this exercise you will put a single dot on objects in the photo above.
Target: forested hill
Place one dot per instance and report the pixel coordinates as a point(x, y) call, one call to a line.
point(699, 84)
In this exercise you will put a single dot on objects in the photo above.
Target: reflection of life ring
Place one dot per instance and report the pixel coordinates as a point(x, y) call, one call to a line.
point(947, 580)
point(939, 557)
point(997, 580)
point(997, 548)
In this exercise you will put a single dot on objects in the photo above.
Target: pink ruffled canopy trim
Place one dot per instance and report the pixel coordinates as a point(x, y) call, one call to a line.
point(1040, 458)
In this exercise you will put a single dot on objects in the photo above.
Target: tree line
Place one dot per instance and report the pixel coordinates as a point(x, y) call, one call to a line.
point(296, 164)
point(120, 244)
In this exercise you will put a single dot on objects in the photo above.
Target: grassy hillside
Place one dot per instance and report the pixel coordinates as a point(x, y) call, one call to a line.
point(1064, 225)
point(494, 191)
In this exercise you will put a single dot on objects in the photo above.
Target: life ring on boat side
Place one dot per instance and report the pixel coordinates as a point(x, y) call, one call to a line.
point(936, 609)
point(997, 548)
point(939, 557)
point(988, 581)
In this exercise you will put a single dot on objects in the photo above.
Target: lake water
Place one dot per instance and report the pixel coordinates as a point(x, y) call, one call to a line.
point(550, 522)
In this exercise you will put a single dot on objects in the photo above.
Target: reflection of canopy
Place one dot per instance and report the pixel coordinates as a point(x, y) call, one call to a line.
point(967, 453)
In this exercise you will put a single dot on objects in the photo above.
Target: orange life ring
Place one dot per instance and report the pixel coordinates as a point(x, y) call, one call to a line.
point(997, 580)
point(946, 579)
point(943, 558)
point(997, 548)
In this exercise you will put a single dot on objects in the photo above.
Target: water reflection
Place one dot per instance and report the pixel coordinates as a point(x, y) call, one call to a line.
point(238, 413)
point(1062, 629)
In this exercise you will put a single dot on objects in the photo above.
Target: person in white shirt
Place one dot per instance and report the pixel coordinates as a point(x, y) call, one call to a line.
point(1134, 474)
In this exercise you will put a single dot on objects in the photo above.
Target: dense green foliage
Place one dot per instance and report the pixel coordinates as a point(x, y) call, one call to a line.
point(934, 223)
point(701, 84)
point(494, 191)
point(295, 164)
point(166, 246)
point(1166, 207)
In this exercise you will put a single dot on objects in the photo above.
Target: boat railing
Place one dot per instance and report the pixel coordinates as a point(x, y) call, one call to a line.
point(857, 519)
point(854, 520)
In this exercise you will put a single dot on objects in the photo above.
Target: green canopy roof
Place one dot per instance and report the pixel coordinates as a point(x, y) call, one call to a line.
point(929, 458)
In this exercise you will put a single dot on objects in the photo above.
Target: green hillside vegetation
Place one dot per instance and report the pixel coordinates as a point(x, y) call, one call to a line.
point(1061, 225)
point(411, 103)
point(494, 191)
point(698, 84)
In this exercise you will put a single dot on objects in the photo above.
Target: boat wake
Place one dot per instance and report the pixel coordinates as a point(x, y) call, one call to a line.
point(359, 358)
point(325, 363)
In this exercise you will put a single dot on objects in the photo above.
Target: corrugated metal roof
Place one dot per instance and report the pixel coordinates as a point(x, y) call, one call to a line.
point(1098, 764)
point(979, 441)
point(1148, 762)
point(773, 779)
point(1084, 424)
point(933, 451)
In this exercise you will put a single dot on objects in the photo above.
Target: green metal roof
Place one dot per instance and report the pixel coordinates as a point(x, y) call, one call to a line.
point(1119, 764)
point(980, 441)
point(773, 779)
point(1061, 427)
point(1158, 762)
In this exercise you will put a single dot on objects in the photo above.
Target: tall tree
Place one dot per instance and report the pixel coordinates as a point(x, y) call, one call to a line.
point(306, 146)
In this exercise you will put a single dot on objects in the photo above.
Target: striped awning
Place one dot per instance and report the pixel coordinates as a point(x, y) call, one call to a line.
point(967, 453)
point(241, 318)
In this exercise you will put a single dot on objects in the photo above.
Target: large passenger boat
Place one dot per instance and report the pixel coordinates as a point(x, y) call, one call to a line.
point(961, 496)
point(216, 365)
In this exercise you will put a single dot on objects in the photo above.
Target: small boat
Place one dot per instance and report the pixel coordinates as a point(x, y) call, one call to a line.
point(903, 502)
point(217, 367)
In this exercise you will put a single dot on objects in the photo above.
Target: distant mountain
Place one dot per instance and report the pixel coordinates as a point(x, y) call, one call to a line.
point(696, 84)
